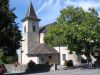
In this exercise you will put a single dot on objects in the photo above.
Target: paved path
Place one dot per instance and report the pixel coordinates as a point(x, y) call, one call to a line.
point(71, 72)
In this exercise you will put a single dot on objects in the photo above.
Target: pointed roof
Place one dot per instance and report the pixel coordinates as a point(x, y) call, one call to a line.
point(30, 13)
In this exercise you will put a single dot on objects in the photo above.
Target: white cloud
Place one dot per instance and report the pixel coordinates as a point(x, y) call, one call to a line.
point(57, 3)
point(42, 7)
point(85, 4)
point(50, 1)
point(50, 6)
point(69, 2)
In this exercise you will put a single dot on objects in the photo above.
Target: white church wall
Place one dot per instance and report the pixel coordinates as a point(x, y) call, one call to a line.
point(41, 37)
point(26, 59)
point(25, 37)
point(65, 52)
point(62, 50)
point(35, 59)
point(25, 24)
point(19, 56)
point(74, 58)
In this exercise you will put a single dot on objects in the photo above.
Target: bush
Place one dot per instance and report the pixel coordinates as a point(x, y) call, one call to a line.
point(7, 59)
point(10, 59)
point(33, 67)
point(1, 56)
point(69, 63)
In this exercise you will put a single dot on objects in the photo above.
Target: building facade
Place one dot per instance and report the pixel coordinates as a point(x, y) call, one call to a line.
point(34, 47)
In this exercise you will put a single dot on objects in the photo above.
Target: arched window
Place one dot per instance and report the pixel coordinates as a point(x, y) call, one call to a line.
point(33, 28)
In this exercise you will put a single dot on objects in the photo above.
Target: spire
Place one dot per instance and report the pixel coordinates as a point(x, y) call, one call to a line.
point(30, 14)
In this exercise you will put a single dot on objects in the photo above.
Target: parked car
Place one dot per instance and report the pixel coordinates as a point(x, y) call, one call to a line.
point(2, 69)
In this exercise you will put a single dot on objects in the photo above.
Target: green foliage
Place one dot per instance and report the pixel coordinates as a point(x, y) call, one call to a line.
point(10, 35)
point(54, 36)
point(78, 29)
point(7, 59)
point(81, 29)
point(1, 56)
point(10, 59)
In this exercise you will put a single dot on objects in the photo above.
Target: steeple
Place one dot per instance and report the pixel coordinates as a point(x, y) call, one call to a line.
point(30, 13)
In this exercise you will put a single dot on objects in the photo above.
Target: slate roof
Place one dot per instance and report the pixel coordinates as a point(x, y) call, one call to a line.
point(30, 13)
point(42, 49)
point(44, 29)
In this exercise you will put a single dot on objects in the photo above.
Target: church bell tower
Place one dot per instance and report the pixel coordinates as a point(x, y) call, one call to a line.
point(30, 32)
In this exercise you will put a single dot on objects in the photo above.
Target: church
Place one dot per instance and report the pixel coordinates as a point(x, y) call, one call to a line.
point(33, 46)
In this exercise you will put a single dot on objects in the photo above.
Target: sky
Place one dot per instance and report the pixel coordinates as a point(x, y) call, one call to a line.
point(49, 10)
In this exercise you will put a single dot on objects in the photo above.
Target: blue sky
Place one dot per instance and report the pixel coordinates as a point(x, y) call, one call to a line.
point(49, 10)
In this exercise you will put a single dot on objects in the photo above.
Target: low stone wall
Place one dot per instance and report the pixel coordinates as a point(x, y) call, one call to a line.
point(15, 69)
point(26, 69)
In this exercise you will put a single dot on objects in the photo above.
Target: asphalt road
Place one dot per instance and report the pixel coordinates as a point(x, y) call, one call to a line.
point(71, 72)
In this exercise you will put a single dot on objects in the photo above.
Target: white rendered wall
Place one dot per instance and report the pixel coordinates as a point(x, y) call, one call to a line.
point(26, 59)
point(63, 50)
point(25, 38)
point(74, 58)
point(19, 56)
point(41, 37)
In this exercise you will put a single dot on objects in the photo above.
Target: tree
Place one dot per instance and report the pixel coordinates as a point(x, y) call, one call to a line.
point(1, 56)
point(54, 36)
point(10, 35)
point(80, 29)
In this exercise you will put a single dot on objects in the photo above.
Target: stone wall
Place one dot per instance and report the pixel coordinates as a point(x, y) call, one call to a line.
point(15, 69)
point(27, 69)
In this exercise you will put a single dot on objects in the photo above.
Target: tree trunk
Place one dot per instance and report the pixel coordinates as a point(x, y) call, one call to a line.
point(89, 60)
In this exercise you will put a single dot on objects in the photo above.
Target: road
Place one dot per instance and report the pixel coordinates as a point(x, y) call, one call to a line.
point(71, 72)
